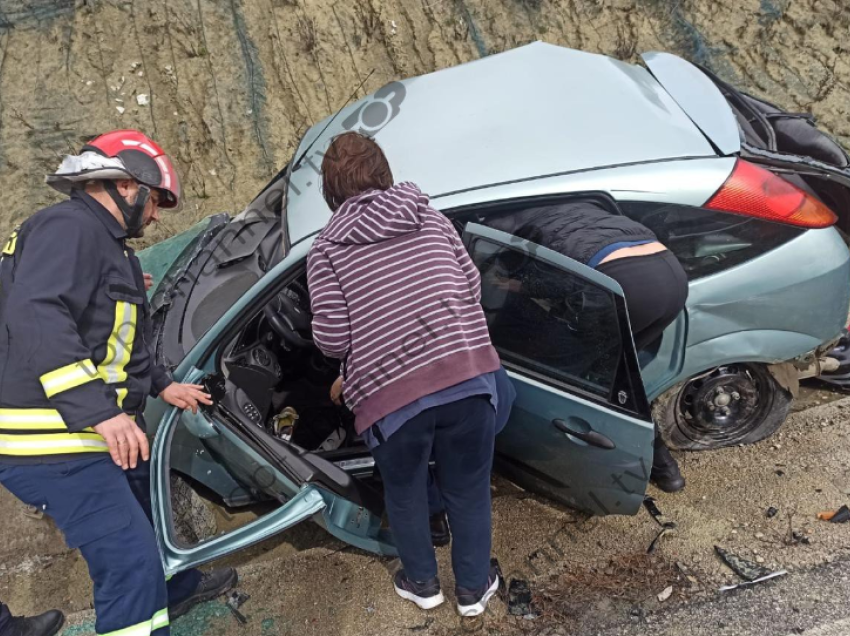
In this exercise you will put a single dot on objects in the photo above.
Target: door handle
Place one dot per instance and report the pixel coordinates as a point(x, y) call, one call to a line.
point(590, 437)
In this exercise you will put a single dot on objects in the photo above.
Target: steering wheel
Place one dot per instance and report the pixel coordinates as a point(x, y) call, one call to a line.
point(289, 319)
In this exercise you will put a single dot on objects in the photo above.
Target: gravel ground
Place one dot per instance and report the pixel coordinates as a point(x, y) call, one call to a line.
point(587, 574)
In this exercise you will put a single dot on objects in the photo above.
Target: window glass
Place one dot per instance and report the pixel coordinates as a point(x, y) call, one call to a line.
point(549, 321)
point(706, 241)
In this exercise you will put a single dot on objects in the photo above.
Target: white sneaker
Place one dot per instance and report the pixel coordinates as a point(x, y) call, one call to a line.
point(426, 595)
point(473, 603)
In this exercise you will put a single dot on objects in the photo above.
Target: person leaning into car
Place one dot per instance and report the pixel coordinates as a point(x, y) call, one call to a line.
point(396, 297)
point(75, 371)
point(653, 281)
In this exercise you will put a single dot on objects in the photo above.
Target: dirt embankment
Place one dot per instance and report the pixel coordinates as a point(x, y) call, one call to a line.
point(229, 86)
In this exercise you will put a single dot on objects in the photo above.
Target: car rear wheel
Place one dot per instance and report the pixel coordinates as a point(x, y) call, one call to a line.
point(730, 405)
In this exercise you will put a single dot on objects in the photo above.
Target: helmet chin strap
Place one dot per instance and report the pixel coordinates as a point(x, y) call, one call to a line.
point(134, 213)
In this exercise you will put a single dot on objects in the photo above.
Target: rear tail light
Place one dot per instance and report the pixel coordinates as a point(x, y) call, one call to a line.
point(757, 192)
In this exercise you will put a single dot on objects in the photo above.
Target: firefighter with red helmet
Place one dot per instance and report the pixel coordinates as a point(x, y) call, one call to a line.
point(75, 371)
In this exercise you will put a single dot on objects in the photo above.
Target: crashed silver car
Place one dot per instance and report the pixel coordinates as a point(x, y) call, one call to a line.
point(750, 199)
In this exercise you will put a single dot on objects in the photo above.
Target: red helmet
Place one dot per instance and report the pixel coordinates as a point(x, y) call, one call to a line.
point(144, 160)
point(117, 155)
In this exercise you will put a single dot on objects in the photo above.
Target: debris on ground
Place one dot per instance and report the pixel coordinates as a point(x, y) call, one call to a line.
point(658, 517)
point(771, 512)
point(666, 593)
point(842, 515)
point(520, 601)
point(752, 573)
point(421, 628)
point(32, 512)
point(235, 600)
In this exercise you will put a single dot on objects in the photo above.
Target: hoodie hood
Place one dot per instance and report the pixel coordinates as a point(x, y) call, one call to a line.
point(377, 215)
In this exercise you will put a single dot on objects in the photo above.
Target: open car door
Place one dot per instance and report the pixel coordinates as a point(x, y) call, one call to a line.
point(580, 430)
point(245, 466)
point(264, 485)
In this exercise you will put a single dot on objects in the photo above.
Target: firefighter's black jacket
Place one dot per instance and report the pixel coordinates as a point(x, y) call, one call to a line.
point(74, 333)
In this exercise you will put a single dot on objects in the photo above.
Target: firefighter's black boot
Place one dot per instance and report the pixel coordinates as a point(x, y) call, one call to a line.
point(46, 624)
point(213, 584)
point(665, 471)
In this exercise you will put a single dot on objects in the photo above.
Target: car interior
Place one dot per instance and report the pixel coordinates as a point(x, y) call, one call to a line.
point(274, 376)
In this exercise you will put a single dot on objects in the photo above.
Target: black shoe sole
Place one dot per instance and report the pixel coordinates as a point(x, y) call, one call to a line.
point(181, 609)
point(441, 540)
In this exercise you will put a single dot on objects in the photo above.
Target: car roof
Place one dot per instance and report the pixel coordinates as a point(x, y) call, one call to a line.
point(529, 112)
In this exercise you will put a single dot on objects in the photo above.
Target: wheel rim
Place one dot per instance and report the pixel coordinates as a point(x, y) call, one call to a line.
point(723, 406)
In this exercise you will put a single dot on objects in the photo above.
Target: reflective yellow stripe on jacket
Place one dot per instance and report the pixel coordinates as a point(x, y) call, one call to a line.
point(119, 348)
point(9, 247)
point(35, 432)
point(145, 628)
point(68, 377)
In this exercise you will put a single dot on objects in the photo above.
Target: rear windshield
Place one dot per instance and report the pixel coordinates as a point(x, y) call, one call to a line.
point(707, 241)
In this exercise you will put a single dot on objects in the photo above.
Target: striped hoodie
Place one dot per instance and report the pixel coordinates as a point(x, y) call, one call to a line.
point(396, 297)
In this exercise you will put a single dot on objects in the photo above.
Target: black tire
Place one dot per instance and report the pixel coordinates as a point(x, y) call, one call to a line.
point(194, 520)
point(704, 413)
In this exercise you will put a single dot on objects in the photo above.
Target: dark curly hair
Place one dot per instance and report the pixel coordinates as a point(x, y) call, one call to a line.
point(352, 165)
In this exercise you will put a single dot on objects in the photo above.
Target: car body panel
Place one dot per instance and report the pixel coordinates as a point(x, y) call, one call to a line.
point(699, 97)
point(688, 182)
point(778, 306)
point(662, 370)
point(535, 455)
point(533, 452)
point(518, 114)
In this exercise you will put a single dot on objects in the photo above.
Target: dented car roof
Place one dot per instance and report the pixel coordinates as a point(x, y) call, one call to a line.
point(533, 111)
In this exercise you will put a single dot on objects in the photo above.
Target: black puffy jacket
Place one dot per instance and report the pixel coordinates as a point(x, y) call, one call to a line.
point(576, 229)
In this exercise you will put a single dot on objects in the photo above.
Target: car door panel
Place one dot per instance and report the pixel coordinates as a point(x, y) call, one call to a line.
point(244, 465)
point(533, 451)
point(580, 430)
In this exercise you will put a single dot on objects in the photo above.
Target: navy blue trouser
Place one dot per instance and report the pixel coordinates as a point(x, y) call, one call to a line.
point(105, 512)
point(460, 435)
point(507, 395)
point(5, 616)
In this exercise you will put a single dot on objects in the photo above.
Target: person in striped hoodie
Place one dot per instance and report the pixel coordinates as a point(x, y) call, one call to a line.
point(396, 297)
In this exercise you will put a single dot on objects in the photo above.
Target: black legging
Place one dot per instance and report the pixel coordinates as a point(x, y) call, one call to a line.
point(656, 288)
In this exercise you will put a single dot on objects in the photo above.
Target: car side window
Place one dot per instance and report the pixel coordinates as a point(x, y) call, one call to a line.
point(548, 322)
point(708, 241)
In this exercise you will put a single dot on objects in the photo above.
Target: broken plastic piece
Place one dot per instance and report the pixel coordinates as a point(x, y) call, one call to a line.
point(772, 575)
point(519, 600)
point(656, 514)
point(235, 600)
point(743, 568)
point(842, 515)
point(658, 517)
point(752, 573)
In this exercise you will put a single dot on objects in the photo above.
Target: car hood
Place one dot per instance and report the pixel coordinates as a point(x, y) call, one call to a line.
point(533, 111)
